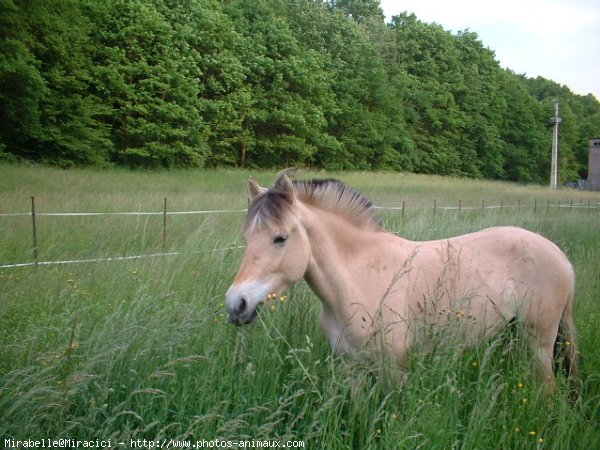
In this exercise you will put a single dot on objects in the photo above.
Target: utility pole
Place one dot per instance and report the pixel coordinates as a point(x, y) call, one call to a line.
point(554, 167)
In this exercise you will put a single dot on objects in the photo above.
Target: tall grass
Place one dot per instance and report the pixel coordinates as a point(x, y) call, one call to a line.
point(141, 349)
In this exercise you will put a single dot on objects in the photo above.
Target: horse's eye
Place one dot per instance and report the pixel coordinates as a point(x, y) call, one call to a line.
point(280, 239)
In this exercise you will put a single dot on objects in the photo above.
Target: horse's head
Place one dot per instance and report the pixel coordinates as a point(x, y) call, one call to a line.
point(277, 250)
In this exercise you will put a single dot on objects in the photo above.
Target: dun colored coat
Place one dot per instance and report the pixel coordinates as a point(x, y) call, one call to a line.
point(377, 288)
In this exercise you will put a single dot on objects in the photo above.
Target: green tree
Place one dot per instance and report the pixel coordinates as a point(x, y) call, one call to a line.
point(149, 84)
point(45, 77)
point(271, 83)
point(21, 85)
point(525, 136)
point(287, 85)
point(430, 61)
point(480, 99)
point(359, 9)
point(208, 38)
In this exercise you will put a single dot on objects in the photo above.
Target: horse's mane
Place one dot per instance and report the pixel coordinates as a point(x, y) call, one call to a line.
point(331, 195)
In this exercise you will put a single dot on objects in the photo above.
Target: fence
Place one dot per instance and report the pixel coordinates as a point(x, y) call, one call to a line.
point(435, 209)
point(537, 206)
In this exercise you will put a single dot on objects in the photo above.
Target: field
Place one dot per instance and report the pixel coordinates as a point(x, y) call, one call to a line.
point(141, 349)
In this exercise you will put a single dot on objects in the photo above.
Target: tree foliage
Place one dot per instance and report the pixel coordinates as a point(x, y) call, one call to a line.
point(271, 83)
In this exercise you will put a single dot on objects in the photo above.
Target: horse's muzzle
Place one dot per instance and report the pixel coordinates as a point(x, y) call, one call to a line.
point(240, 310)
point(240, 314)
point(239, 320)
point(243, 301)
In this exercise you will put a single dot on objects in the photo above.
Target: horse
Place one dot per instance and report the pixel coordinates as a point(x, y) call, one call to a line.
point(376, 287)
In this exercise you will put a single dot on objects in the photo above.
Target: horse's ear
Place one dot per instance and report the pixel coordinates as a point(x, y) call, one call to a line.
point(283, 183)
point(254, 188)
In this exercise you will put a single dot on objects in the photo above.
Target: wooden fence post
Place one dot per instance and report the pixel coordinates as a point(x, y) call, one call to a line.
point(33, 224)
point(164, 236)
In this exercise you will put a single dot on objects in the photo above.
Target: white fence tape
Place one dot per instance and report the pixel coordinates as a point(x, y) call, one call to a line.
point(136, 213)
point(116, 258)
point(540, 206)
point(524, 206)
point(224, 211)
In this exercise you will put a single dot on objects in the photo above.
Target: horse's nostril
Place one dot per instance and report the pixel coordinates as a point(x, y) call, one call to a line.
point(242, 306)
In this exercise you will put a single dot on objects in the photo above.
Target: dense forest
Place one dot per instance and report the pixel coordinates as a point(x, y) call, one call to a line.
point(272, 83)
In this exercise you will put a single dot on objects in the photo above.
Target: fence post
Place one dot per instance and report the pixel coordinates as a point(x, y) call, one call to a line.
point(35, 245)
point(403, 208)
point(164, 237)
point(534, 205)
point(459, 206)
point(434, 208)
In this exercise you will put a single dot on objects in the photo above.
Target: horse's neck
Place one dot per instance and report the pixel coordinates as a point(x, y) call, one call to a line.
point(337, 249)
point(351, 270)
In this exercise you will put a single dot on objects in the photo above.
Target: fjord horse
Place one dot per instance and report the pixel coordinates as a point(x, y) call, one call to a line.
point(374, 285)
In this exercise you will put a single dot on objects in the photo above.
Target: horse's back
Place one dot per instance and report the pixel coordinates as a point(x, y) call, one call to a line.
point(497, 274)
point(522, 250)
point(530, 270)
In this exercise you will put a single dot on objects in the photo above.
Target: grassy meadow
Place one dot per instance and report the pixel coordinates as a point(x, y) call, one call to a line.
point(140, 349)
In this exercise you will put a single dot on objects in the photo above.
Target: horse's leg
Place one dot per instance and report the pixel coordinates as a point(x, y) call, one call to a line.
point(570, 342)
point(567, 340)
point(541, 336)
point(544, 331)
point(544, 351)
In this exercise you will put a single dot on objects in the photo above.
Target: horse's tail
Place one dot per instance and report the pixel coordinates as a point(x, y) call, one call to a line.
point(566, 341)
